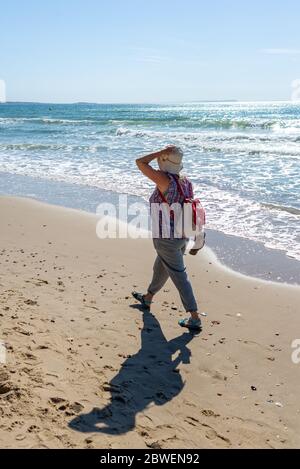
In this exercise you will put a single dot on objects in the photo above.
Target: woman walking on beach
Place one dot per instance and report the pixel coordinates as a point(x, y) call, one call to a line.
point(170, 188)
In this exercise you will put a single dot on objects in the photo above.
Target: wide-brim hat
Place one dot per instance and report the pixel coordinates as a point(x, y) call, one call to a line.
point(171, 162)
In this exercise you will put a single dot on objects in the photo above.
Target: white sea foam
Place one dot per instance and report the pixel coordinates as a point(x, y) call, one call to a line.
point(226, 211)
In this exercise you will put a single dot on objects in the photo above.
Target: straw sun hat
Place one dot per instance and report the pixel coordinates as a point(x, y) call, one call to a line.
point(171, 162)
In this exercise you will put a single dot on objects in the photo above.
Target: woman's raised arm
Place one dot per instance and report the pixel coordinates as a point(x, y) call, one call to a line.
point(159, 177)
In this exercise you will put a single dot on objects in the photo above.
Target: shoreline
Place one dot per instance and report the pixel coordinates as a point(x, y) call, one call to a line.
point(207, 253)
point(242, 255)
point(86, 368)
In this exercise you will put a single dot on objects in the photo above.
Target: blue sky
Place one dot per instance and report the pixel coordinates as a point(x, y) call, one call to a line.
point(149, 51)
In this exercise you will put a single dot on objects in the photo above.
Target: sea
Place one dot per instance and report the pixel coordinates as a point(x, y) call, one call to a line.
point(242, 157)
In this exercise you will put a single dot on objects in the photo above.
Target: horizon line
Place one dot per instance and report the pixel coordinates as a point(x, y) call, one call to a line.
point(152, 102)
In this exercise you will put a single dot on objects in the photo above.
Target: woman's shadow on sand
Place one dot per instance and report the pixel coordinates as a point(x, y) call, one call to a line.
point(149, 376)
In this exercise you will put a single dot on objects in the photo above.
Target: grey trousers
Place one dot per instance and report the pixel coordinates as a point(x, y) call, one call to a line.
point(169, 263)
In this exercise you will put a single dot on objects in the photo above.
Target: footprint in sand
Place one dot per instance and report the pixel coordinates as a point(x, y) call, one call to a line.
point(8, 390)
point(209, 413)
point(22, 331)
point(31, 302)
point(154, 445)
point(33, 429)
point(63, 405)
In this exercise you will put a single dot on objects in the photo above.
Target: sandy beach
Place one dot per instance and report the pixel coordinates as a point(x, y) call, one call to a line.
point(87, 368)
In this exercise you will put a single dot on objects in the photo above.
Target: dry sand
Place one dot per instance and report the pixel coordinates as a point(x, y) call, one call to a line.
point(86, 368)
